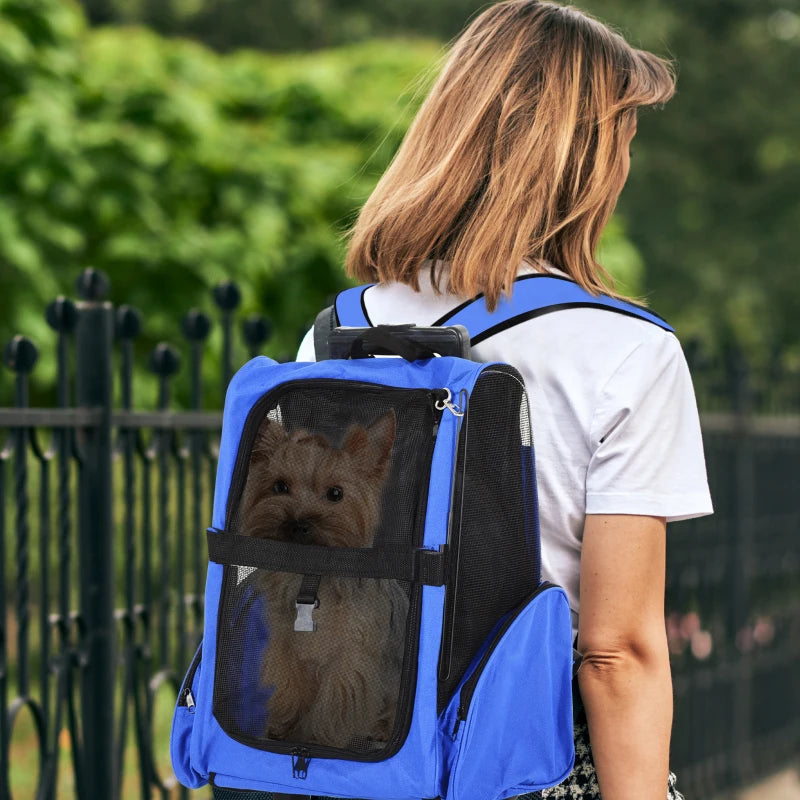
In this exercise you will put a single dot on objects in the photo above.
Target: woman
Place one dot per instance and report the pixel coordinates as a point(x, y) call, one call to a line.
point(514, 165)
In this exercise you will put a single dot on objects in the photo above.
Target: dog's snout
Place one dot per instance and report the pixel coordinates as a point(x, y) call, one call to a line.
point(301, 532)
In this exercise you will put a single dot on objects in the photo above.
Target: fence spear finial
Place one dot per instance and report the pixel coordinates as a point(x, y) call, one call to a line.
point(128, 323)
point(256, 329)
point(164, 360)
point(20, 355)
point(196, 325)
point(61, 315)
point(227, 296)
point(92, 284)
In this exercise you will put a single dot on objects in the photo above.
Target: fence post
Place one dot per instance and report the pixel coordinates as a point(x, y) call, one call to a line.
point(227, 297)
point(93, 342)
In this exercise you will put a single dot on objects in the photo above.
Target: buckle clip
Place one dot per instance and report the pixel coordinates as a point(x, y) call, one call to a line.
point(304, 620)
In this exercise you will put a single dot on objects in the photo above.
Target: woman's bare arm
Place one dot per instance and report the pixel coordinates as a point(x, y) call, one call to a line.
point(625, 679)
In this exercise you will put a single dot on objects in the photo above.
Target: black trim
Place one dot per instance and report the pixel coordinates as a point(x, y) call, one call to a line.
point(416, 566)
point(478, 296)
point(540, 312)
point(364, 305)
point(309, 589)
point(442, 320)
point(227, 793)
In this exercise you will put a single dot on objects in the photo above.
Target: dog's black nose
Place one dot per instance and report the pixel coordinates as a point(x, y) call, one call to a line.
point(301, 532)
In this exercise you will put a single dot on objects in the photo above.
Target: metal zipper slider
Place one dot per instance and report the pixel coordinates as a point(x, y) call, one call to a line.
point(189, 700)
point(446, 403)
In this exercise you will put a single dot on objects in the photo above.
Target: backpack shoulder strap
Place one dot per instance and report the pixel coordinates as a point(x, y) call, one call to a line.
point(350, 309)
point(535, 295)
point(323, 325)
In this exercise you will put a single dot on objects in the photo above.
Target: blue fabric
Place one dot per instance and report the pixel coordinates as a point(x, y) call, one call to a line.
point(534, 293)
point(350, 307)
point(181, 735)
point(248, 633)
point(518, 732)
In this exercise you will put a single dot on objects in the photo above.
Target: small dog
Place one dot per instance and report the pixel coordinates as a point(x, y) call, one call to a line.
point(341, 682)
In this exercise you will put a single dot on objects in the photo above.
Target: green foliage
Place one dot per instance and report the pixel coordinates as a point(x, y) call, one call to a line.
point(712, 201)
point(172, 168)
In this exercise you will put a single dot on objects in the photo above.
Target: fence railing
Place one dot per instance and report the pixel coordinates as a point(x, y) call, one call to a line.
point(102, 567)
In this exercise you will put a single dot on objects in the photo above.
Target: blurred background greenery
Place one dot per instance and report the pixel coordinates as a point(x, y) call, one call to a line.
point(176, 143)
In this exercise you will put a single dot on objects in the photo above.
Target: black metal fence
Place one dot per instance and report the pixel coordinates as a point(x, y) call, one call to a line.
point(102, 564)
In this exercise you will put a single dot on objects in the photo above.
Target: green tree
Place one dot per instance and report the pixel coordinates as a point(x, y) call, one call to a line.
point(172, 168)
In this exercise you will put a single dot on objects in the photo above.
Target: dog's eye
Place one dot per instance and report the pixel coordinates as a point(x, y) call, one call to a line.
point(335, 494)
point(280, 487)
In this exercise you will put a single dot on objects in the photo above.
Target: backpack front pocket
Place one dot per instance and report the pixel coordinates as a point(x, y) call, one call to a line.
point(510, 721)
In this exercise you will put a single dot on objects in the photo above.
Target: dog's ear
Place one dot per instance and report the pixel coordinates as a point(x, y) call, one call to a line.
point(372, 446)
point(270, 436)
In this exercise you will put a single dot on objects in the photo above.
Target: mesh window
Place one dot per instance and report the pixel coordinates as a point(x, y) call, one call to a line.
point(324, 463)
point(494, 548)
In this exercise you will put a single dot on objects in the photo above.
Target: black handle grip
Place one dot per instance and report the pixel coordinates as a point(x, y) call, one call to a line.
point(407, 341)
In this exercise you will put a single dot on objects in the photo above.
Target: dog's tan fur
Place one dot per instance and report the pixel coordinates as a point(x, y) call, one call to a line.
point(341, 681)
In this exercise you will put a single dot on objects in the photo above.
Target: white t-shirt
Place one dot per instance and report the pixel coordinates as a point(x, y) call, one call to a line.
point(615, 422)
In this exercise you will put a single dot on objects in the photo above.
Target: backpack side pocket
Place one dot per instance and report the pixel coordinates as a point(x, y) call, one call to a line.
point(182, 724)
point(510, 722)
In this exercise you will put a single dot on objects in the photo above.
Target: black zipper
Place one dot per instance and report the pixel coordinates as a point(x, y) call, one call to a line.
point(468, 687)
point(409, 670)
point(454, 547)
point(454, 530)
point(185, 698)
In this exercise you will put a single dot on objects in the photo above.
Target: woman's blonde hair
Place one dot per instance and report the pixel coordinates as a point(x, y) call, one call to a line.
point(516, 154)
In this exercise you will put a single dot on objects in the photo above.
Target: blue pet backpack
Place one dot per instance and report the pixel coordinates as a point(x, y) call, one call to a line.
point(375, 621)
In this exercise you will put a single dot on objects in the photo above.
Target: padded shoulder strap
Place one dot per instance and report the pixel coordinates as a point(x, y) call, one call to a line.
point(535, 295)
point(350, 310)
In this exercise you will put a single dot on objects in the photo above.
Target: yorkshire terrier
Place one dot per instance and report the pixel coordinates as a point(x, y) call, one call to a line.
point(338, 685)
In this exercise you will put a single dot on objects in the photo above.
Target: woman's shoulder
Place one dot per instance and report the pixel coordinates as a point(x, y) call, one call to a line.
point(593, 339)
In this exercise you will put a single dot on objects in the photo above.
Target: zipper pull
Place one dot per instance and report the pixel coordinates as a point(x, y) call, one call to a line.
point(446, 402)
point(461, 715)
point(300, 762)
point(188, 699)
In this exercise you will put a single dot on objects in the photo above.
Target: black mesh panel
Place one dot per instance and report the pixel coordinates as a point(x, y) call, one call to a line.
point(332, 465)
point(494, 547)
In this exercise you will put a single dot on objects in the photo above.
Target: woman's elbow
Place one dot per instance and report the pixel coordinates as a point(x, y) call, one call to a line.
point(623, 659)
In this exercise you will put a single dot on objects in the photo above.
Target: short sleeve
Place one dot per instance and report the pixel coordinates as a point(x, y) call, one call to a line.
point(647, 449)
